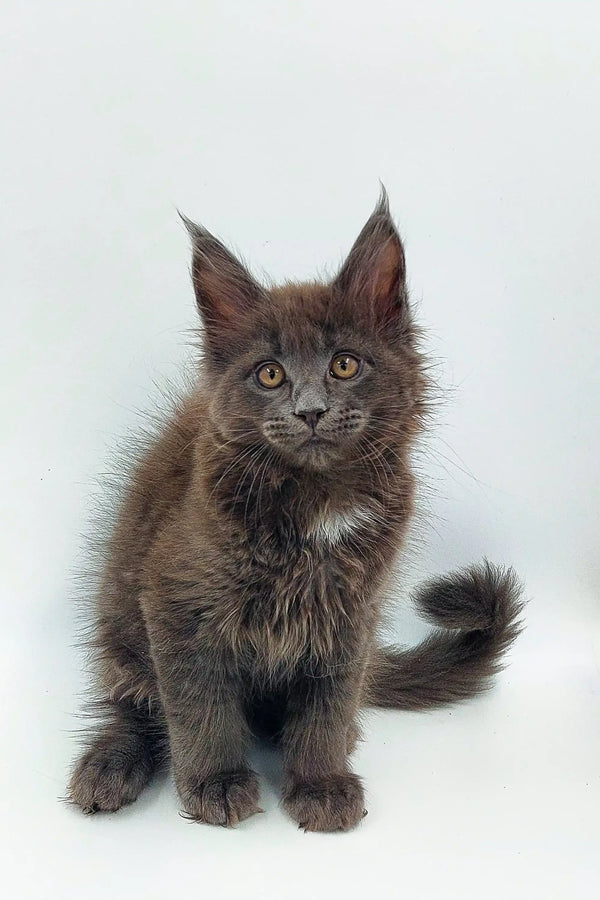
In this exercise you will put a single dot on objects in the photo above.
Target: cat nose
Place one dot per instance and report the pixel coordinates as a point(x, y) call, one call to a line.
point(311, 416)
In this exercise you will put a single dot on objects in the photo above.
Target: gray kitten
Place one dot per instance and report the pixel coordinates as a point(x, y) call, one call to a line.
point(243, 584)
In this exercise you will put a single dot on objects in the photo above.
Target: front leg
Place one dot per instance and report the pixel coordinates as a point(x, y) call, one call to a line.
point(321, 793)
point(208, 733)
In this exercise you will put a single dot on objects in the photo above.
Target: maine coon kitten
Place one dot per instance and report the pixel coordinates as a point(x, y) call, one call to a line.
point(243, 583)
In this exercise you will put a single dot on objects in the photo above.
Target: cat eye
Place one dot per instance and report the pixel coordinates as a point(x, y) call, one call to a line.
point(270, 375)
point(344, 366)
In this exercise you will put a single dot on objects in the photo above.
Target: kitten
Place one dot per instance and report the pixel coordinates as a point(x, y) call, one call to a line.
point(242, 589)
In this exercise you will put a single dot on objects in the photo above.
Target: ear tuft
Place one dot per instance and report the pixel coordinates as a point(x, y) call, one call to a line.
point(191, 227)
point(383, 204)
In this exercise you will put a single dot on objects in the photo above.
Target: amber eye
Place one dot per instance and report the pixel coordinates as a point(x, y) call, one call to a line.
point(344, 366)
point(270, 375)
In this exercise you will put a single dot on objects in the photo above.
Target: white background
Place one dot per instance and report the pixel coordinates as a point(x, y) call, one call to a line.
point(271, 122)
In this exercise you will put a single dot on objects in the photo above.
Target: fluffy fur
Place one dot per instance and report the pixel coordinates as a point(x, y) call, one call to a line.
point(243, 583)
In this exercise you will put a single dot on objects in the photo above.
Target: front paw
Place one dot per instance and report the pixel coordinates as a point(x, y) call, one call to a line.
point(108, 777)
point(333, 803)
point(223, 799)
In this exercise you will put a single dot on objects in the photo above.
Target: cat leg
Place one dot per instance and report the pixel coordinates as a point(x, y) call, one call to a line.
point(202, 697)
point(353, 737)
point(123, 754)
point(320, 792)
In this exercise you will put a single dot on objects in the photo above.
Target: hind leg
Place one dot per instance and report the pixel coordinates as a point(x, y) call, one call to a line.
point(122, 756)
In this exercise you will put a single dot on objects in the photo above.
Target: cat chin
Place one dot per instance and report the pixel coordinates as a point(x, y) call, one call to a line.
point(316, 456)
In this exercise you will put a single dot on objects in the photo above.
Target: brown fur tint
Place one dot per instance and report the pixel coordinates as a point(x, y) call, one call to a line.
point(242, 586)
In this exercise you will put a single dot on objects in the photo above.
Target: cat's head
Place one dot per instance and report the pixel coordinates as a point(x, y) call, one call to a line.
point(319, 373)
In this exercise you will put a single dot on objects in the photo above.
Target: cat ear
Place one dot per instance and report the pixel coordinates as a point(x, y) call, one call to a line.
point(374, 276)
point(225, 291)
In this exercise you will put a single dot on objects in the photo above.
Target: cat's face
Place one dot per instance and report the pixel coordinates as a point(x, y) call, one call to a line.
point(315, 401)
point(318, 374)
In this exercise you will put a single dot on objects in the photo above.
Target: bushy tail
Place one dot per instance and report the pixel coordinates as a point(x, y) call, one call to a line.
point(478, 610)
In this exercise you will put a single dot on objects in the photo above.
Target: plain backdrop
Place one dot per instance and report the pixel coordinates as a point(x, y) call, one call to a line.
point(272, 123)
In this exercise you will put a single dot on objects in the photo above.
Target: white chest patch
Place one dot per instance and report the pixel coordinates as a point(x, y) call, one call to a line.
point(339, 525)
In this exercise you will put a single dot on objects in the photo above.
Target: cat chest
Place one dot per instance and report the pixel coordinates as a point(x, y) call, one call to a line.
point(338, 530)
point(311, 601)
point(310, 609)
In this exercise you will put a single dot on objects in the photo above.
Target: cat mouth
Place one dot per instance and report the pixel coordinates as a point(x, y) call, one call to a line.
point(317, 450)
point(316, 440)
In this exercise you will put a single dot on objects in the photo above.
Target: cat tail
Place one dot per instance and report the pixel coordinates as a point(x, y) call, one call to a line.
point(478, 610)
